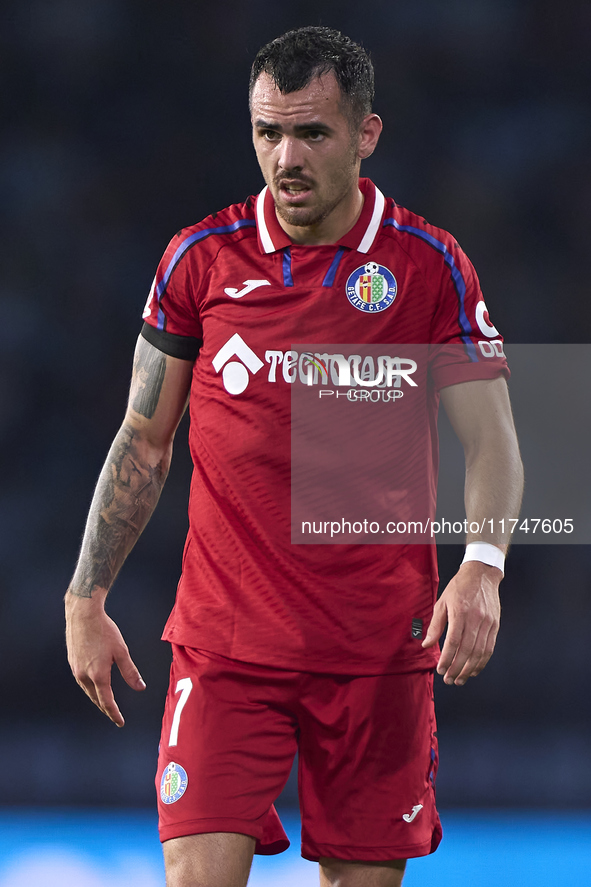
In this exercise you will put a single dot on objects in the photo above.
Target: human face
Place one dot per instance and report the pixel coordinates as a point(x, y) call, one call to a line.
point(309, 155)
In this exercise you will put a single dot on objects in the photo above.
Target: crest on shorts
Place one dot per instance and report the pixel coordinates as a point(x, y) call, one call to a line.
point(371, 288)
point(173, 784)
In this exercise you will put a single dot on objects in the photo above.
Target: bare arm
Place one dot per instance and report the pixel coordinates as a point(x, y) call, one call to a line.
point(126, 494)
point(480, 413)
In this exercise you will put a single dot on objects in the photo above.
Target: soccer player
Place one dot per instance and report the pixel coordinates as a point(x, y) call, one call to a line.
point(276, 647)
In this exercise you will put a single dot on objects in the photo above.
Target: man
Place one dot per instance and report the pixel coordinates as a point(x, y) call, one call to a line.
point(277, 646)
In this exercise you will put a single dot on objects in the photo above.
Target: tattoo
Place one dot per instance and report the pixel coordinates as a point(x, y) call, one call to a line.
point(125, 497)
point(149, 367)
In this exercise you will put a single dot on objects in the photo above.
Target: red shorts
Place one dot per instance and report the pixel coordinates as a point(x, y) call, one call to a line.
point(367, 757)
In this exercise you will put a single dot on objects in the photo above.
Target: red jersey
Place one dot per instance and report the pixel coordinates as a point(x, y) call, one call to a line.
point(235, 289)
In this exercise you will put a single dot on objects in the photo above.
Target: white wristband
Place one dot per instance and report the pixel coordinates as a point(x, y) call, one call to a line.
point(486, 554)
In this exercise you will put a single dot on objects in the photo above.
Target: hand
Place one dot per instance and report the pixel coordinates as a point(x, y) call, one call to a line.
point(470, 606)
point(94, 643)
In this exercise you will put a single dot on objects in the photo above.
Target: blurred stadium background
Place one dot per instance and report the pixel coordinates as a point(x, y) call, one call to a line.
point(123, 121)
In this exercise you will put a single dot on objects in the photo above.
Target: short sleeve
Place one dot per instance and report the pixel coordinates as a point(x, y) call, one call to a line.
point(466, 345)
point(171, 315)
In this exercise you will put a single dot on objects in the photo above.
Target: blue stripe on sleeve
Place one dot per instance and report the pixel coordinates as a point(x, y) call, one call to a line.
point(331, 273)
point(456, 276)
point(186, 245)
point(287, 278)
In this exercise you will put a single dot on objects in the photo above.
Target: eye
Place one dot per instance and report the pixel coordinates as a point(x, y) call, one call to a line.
point(269, 135)
point(315, 135)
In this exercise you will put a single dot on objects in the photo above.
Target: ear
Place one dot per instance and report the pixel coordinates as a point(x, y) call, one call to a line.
point(369, 134)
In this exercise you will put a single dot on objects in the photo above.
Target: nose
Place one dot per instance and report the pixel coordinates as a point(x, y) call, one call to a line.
point(291, 153)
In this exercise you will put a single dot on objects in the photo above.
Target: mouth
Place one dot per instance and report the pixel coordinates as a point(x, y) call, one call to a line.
point(294, 192)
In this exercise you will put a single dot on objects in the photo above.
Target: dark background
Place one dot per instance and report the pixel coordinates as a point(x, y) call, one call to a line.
point(125, 120)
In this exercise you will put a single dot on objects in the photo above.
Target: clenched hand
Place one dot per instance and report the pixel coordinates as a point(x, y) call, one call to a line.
point(471, 609)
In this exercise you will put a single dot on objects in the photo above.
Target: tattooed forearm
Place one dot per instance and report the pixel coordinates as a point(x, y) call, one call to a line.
point(148, 375)
point(126, 494)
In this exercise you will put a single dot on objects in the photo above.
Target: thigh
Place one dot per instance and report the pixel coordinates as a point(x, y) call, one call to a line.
point(226, 750)
point(368, 760)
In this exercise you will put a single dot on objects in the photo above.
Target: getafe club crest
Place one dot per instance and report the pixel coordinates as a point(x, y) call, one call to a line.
point(371, 287)
point(173, 784)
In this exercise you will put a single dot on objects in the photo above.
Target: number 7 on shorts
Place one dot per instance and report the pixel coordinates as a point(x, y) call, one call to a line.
point(185, 685)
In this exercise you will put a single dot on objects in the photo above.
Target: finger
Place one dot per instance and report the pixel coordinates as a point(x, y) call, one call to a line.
point(481, 652)
point(88, 687)
point(129, 670)
point(437, 625)
point(450, 649)
point(459, 644)
point(489, 647)
point(107, 704)
point(472, 663)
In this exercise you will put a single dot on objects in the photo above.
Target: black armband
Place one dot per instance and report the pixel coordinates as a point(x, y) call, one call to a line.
point(183, 347)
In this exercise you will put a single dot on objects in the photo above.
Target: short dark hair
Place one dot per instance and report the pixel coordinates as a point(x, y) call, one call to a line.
point(298, 56)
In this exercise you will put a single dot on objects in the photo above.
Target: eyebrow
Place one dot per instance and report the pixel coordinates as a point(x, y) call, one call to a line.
point(298, 128)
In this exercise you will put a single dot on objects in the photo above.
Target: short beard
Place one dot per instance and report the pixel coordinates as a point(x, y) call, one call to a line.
point(307, 218)
point(299, 217)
